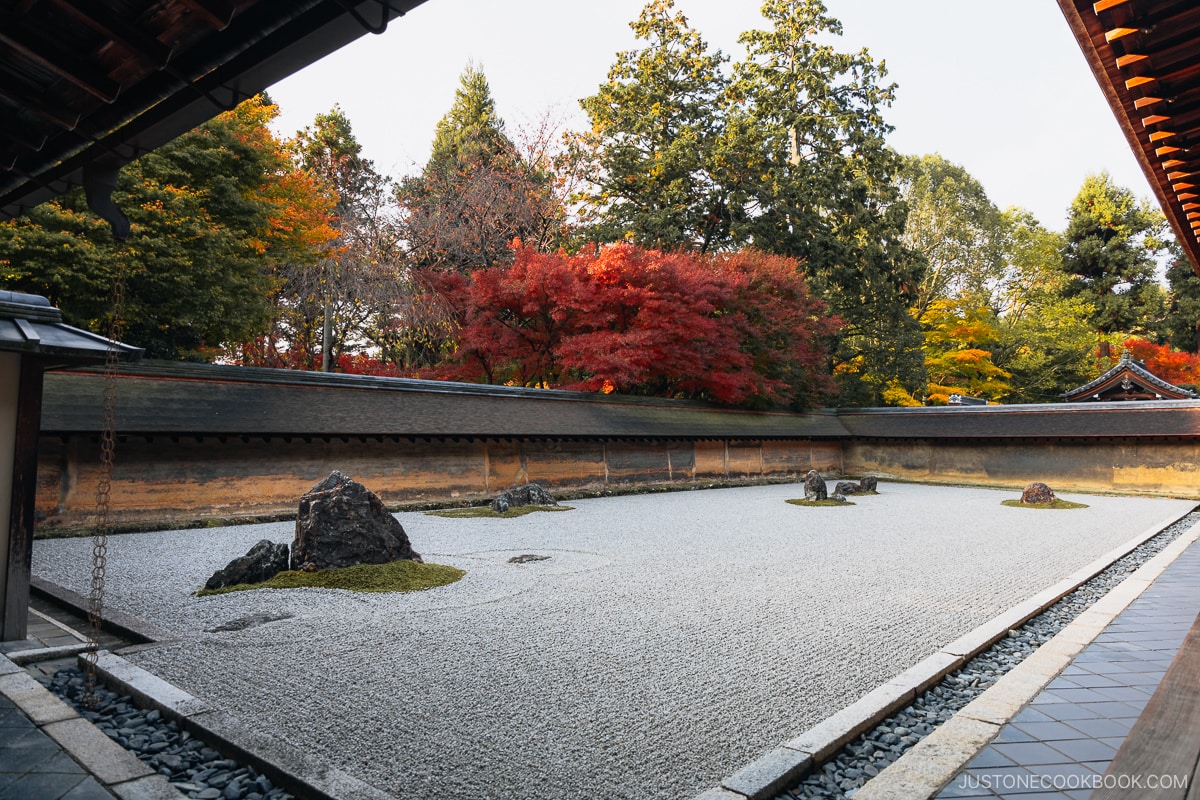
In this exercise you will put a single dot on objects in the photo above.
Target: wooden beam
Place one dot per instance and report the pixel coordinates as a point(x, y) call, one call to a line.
point(1154, 120)
point(60, 64)
point(1118, 33)
point(1158, 136)
point(1138, 80)
point(24, 491)
point(1142, 102)
point(1130, 58)
point(1105, 5)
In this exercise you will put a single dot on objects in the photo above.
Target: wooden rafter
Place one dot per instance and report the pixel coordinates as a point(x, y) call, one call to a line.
point(1145, 55)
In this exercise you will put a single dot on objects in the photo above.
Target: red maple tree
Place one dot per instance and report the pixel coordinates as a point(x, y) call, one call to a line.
point(734, 329)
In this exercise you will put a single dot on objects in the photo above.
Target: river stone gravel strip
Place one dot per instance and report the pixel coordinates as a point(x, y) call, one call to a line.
point(866, 757)
point(188, 764)
point(666, 641)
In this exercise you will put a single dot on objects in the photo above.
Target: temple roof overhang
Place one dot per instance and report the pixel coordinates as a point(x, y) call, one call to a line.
point(1145, 55)
point(87, 86)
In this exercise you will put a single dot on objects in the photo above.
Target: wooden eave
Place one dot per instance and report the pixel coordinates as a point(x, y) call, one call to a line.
point(97, 83)
point(1145, 54)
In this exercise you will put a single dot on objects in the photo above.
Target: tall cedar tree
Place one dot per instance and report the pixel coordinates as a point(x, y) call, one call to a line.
point(477, 192)
point(736, 329)
point(214, 212)
point(653, 146)
point(1112, 240)
point(788, 158)
point(826, 191)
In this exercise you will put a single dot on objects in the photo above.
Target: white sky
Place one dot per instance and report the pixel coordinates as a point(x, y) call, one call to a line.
point(1005, 93)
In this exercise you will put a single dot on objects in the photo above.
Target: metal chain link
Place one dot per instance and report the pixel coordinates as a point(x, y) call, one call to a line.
point(108, 441)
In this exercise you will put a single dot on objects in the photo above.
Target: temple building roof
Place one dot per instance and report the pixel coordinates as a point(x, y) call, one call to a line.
point(1128, 380)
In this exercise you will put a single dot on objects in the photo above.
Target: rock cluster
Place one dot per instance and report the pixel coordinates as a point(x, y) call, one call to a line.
point(1037, 494)
point(867, 484)
point(530, 494)
point(340, 523)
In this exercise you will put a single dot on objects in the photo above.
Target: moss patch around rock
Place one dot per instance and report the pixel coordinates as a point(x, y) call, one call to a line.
point(820, 502)
point(1056, 504)
point(395, 576)
point(486, 511)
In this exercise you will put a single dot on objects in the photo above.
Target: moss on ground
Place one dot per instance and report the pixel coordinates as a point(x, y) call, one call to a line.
point(826, 502)
point(1056, 504)
point(486, 511)
point(395, 576)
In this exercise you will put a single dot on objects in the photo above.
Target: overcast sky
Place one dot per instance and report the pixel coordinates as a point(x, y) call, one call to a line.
point(1007, 95)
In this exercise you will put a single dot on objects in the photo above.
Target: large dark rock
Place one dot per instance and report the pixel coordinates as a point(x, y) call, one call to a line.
point(1037, 494)
point(263, 562)
point(814, 486)
point(342, 523)
point(531, 494)
point(868, 483)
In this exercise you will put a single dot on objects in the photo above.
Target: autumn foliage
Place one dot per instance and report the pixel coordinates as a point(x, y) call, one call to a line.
point(1164, 362)
point(735, 329)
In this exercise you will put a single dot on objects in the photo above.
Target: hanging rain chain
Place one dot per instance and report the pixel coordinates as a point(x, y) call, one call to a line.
point(108, 438)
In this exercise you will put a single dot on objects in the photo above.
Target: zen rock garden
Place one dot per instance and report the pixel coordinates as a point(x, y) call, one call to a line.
point(341, 523)
point(816, 490)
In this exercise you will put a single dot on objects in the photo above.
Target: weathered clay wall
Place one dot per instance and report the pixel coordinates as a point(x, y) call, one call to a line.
point(201, 442)
point(164, 481)
point(1159, 466)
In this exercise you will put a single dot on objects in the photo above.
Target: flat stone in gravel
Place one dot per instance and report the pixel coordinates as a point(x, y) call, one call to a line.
point(670, 640)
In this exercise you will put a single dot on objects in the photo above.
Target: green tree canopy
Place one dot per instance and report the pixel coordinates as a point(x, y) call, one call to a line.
point(1183, 318)
point(826, 190)
point(655, 127)
point(1112, 241)
point(213, 213)
point(958, 230)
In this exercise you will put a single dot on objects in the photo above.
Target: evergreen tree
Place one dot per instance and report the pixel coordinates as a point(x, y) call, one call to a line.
point(477, 193)
point(214, 214)
point(1183, 319)
point(1112, 241)
point(826, 191)
point(652, 150)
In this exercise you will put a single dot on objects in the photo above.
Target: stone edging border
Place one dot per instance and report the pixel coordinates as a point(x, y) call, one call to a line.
point(114, 767)
point(796, 758)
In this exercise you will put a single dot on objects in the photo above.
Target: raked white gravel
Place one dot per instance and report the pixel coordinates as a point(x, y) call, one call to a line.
point(668, 640)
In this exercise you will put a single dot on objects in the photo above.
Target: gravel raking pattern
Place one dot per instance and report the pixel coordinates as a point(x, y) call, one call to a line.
point(665, 642)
